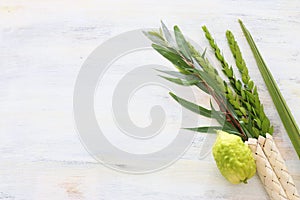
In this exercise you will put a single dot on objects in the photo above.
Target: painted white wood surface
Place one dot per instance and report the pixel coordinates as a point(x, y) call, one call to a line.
point(42, 47)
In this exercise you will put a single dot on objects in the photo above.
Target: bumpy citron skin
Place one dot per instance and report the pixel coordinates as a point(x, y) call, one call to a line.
point(234, 158)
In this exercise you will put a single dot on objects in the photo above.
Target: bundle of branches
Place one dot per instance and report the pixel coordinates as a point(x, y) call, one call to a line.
point(240, 111)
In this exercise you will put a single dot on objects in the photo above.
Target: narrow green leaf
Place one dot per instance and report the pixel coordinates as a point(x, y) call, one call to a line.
point(181, 81)
point(178, 75)
point(173, 57)
point(204, 52)
point(205, 129)
point(212, 129)
point(182, 44)
point(265, 125)
point(155, 37)
point(255, 132)
point(258, 122)
point(271, 129)
point(191, 106)
point(250, 85)
point(200, 84)
point(167, 34)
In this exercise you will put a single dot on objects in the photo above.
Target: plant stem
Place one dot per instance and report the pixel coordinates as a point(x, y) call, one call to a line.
point(221, 104)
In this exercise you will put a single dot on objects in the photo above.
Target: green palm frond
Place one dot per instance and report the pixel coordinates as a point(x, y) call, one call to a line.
point(280, 103)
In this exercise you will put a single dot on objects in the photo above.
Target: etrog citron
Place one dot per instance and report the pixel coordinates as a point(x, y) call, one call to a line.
point(234, 158)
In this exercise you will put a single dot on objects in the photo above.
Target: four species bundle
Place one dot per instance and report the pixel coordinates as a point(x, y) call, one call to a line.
point(243, 125)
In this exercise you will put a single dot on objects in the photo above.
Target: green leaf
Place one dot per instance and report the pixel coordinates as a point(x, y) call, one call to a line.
point(205, 129)
point(265, 125)
point(248, 106)
point(255, 132)
point(239, 113)
point(212, 129)
point(238, 85)
point(182, 44)
point(167, 34)
point(245, 79)
point(188, 77)
point(280, 103)
point(228, 72)
point(191, 106)
point(181, 81)
point(250, 85)
point(204, 52)
point(179, 75)
point(173, 57)
point(258, 122)
point(243, 110)
point(155, 37)
point(271, 129)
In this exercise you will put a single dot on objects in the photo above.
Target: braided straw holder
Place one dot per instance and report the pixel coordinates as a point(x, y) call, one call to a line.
point(266, 173)
point(278, 164)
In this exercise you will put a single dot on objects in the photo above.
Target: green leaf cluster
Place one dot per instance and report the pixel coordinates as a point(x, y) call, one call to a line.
point(194, 69)
point(246, 99)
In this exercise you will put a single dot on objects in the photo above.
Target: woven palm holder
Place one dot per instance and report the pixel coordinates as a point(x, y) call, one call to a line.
point(266, 173)
point(278, 164)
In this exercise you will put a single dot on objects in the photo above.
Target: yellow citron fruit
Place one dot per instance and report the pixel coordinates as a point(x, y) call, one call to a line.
point(234, 158)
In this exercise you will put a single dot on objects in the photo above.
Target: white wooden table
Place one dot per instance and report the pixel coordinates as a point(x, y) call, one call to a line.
point(42, 47)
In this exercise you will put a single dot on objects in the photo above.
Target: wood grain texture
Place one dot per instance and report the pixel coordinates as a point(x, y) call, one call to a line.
point(42, 47)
